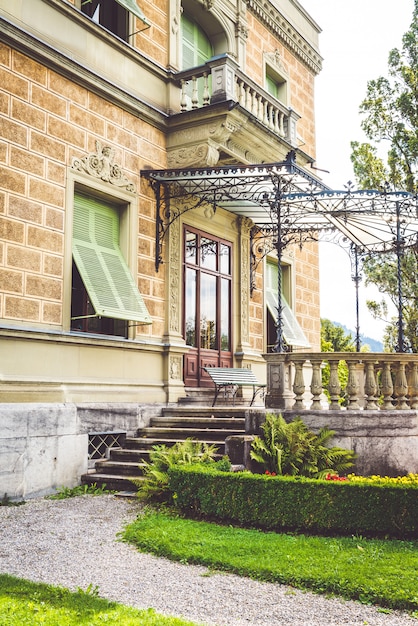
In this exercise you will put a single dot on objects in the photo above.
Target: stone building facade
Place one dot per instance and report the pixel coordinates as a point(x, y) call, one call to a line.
point(93, 94)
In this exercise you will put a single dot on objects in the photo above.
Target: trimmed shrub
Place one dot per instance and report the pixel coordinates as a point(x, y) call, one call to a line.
point(297, 503)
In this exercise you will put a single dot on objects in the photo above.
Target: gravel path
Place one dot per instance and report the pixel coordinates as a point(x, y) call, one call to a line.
point(72, 543)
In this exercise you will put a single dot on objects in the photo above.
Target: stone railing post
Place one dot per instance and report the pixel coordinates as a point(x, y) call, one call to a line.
point(386, 386)
point(353, 386)
point(413, 385)
point(299, 386)
point(223, 70)
point(316, 384)
point(279, 391)
point(334, 386)
point(370, 386)
point(401, 387)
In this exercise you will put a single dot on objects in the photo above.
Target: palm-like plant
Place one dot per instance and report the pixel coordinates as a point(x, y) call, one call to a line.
point(291, 448)
point(154, 483)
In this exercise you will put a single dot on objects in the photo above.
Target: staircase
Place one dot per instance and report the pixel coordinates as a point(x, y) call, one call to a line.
point(207, 424)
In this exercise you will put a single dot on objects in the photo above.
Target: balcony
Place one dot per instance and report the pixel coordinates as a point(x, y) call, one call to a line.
point(238, 120)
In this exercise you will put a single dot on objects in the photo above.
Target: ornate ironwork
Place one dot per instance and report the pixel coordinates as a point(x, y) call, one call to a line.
point(288, 205)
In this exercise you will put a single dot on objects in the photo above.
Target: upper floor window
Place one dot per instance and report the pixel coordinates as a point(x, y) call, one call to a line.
point(276, 85)
point(115, 15)
point(196, 46)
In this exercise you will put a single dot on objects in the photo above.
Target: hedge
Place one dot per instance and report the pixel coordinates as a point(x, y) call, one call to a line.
point(295, 503)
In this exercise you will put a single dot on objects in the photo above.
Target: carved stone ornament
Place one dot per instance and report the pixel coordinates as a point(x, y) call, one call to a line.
point(201, 155)
point(275, 59)
point(175, 367)
point(100, 165)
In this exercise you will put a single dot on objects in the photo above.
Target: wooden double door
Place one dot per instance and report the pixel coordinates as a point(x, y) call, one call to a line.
point(207, 280)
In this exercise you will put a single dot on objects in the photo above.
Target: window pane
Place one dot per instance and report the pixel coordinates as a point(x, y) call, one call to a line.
point(208, 253)
point(225, 327)
point(208, 311)
point(190, 307)
point(225, 259)
point(272, 86)
point(191, 247)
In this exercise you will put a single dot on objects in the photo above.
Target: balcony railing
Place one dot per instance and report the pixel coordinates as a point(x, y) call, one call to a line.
point(376, 381)
point(220, 80)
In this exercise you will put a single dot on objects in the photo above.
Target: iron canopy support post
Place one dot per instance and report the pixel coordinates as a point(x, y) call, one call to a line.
point(356, 277)
point(279, 245)
point(399, 255)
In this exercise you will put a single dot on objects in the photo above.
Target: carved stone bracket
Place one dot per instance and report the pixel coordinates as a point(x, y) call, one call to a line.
point(100, 164)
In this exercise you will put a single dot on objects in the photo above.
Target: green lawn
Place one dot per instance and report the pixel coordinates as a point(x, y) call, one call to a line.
point(382, 572)
point(23, 602)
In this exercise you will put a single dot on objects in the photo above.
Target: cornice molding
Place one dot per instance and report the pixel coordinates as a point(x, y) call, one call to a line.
point(283, 30)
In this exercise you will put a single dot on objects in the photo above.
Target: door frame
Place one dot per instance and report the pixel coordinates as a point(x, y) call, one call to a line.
point(199, 357)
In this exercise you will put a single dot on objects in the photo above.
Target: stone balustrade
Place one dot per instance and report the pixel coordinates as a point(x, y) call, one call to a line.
point(376, 381)
point(220, 79)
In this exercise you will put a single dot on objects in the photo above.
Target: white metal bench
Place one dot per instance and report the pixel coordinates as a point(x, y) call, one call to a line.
point(234, 378)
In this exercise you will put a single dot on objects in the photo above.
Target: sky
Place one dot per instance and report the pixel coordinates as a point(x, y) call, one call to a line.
point(356, 38)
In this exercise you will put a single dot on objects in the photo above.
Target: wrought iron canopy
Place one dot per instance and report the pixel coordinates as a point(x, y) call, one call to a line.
point(285, 197)
point(287, 204)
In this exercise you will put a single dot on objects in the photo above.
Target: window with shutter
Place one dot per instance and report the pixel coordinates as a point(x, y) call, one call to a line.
point(114, 15)
point(196, 46)
point(104, 296)
point(292, 332)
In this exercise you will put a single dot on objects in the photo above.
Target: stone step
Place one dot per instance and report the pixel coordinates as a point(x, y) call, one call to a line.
point(205, 411)
point(214, 435)
point(119, 468)
point(126, 455)
point(198, 423)
point(112, 482)
point(210, 425)
point(144, 444)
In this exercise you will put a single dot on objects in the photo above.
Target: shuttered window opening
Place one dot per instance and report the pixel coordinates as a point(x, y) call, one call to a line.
point(108, 281)
point(292, 331)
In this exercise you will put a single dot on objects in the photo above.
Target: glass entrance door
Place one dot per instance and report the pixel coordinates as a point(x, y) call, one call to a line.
point(207, 305)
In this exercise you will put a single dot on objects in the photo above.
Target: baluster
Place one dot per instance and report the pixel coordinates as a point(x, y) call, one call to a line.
point(298, 386)
point(370, 387)
point(258, 107)
point(183, 98)
point(265, 106)
point(195, 95)
point(271, 116)
point(206, 94)
point(386, 386)
point(316, 384)
point(275, 114)
point(241, 93)
point(401, 387)
point(248, 101)
point(353, 386)
point(413, 385)
point(334, 386)
point(254, 103)
point(281, 131)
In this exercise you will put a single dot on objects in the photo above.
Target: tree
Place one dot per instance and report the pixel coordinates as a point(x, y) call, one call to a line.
point(390, 112)
point(334, 338)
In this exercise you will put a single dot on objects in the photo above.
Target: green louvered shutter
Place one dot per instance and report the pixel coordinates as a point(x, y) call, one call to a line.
point(292, 331)
point(105, 274)
point(196, 48)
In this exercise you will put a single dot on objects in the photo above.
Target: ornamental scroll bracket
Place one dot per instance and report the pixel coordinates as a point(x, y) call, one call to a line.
point(101, 164)
point(168, 212)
